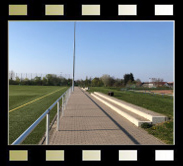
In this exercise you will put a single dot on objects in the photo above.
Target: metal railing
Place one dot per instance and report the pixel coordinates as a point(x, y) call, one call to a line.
point(65, 96)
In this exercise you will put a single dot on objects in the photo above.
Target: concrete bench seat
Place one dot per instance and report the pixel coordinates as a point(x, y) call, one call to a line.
point(129, 108)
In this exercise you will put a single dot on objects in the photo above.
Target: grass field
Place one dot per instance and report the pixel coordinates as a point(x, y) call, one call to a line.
point(163, 105)
point(26, 104)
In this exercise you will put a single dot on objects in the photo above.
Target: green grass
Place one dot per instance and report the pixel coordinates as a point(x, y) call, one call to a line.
point(19, 95)
point(163, 131)
point(163, 105)
point(22, 118)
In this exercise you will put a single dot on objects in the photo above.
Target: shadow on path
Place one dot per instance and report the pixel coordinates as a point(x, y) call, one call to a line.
point(116, 123)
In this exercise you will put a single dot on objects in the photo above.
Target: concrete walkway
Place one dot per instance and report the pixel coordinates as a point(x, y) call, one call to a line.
point(87, 121)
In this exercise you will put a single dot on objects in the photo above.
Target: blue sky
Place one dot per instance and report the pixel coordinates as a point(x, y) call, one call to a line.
point(115, 48)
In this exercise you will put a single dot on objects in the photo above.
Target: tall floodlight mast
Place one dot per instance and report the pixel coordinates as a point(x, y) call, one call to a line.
point(73, 58)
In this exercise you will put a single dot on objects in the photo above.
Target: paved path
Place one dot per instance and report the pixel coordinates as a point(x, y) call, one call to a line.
point(87, 121)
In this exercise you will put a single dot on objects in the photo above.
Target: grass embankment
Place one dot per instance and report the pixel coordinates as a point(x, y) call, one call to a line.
point(163, 105)
point(20, 119)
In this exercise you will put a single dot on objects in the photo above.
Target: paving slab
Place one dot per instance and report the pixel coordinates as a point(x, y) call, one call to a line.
point(87, 121)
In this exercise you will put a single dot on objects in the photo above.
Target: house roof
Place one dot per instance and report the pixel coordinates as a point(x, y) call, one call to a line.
point(161, 83)
point(170, 83)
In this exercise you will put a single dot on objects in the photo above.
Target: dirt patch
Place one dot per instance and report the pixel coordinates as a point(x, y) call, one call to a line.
point(166, 92)
point(163, 91)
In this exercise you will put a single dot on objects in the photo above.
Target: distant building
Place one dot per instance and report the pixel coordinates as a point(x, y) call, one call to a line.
point(170, 84)
point(147, 84)
point(156, 84)
point(160, 84)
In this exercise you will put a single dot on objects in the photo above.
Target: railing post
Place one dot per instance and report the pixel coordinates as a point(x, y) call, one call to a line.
point(64, 100)
point(62, 105)
point(66, 97)
point(47, 127)
point(58, 116)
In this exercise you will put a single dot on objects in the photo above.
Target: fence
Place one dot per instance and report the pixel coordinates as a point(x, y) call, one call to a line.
point(65, 96)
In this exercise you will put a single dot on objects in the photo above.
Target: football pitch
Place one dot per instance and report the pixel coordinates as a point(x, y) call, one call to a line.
point(26, 104)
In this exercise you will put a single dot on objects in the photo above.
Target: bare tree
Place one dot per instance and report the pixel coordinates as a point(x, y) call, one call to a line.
point(157, 81)
point(12, 75)
point(138, 82)
point(106, 79)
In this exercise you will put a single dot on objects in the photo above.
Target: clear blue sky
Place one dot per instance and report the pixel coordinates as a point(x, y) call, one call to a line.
point(145, 49)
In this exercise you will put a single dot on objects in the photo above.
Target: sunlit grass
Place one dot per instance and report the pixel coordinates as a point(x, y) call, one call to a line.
point(22, 118)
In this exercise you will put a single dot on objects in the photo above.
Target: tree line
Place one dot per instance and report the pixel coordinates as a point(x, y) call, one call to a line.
point(48, 80)
point(54, 80)
point(108, 81)
point(105, 80)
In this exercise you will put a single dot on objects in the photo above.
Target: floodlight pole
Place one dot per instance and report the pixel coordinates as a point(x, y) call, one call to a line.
point(73, 58)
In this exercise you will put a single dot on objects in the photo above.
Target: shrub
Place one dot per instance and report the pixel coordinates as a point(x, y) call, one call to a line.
point(146, 125)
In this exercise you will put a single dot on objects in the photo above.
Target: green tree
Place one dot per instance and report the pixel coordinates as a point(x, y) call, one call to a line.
point(117, 82)
point(69, 82)
point(37, 80)
point(86, 82)
point(25, 81)
point(44, 81)
point(17, 79)
point(97, 82)
point(50, 78)
point(128, 77)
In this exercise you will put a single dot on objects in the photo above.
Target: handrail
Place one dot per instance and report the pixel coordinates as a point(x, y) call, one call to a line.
point(65, 96)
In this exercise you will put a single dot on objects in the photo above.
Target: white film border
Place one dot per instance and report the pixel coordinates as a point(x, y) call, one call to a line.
point(91, 155)
point(91, 10)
